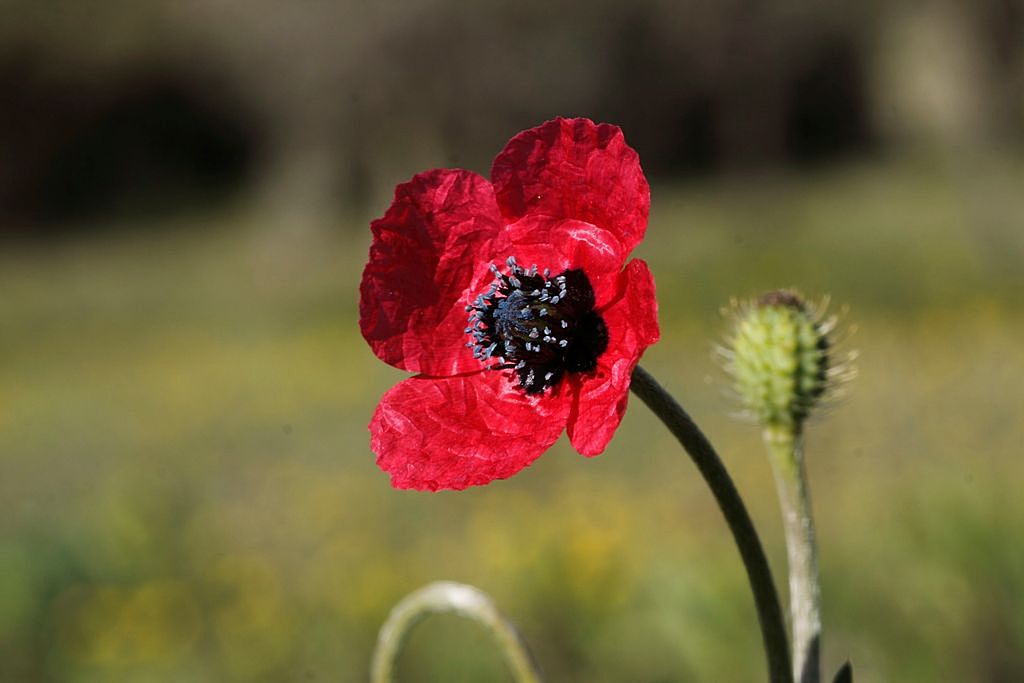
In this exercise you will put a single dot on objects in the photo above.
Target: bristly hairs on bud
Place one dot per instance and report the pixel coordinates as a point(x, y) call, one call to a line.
point(781, 354)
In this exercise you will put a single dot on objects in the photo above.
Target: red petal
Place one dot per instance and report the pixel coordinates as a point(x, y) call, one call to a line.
point(429, 249)
point(574, 168)
point(455, 432)
point(563, 244)
point(632, 326)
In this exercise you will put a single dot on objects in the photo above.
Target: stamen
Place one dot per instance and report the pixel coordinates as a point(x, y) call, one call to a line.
point(513, 323)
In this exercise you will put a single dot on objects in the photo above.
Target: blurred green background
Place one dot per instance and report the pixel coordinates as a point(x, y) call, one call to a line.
point(185, 187)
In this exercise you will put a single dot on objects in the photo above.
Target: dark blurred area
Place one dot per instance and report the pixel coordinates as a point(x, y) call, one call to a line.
point(124, 108)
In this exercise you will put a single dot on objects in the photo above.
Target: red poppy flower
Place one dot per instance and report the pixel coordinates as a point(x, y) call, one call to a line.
point(513, 302)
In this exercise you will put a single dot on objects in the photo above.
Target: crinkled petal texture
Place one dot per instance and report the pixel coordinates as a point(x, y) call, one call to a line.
point(601, 396)
point(568, 194)
point(428, 251)
point(455, 432)
point(574, 168)
point(561, 245)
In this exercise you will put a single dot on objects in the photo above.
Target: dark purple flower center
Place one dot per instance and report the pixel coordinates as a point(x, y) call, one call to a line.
point(539, 326)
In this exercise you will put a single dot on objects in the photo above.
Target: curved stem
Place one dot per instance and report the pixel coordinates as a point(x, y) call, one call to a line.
point(786, 450)
point(466, 601)
point(766, 599)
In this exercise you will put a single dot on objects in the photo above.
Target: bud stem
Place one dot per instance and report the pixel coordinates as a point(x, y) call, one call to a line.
point(466, 601)
point(766, 599)
point(785, 447)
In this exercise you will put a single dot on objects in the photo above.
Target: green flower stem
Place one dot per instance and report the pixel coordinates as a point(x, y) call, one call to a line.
point(785, 446)
point(465, 601)
point(766, 599)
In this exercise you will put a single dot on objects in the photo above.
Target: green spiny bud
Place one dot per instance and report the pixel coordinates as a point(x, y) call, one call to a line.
point(778, 357)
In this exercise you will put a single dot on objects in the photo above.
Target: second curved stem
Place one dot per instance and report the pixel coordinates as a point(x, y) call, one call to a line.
point(711, 467)
point(464, 600)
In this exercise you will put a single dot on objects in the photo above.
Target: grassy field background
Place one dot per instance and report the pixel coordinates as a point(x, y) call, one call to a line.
point(189, 494)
